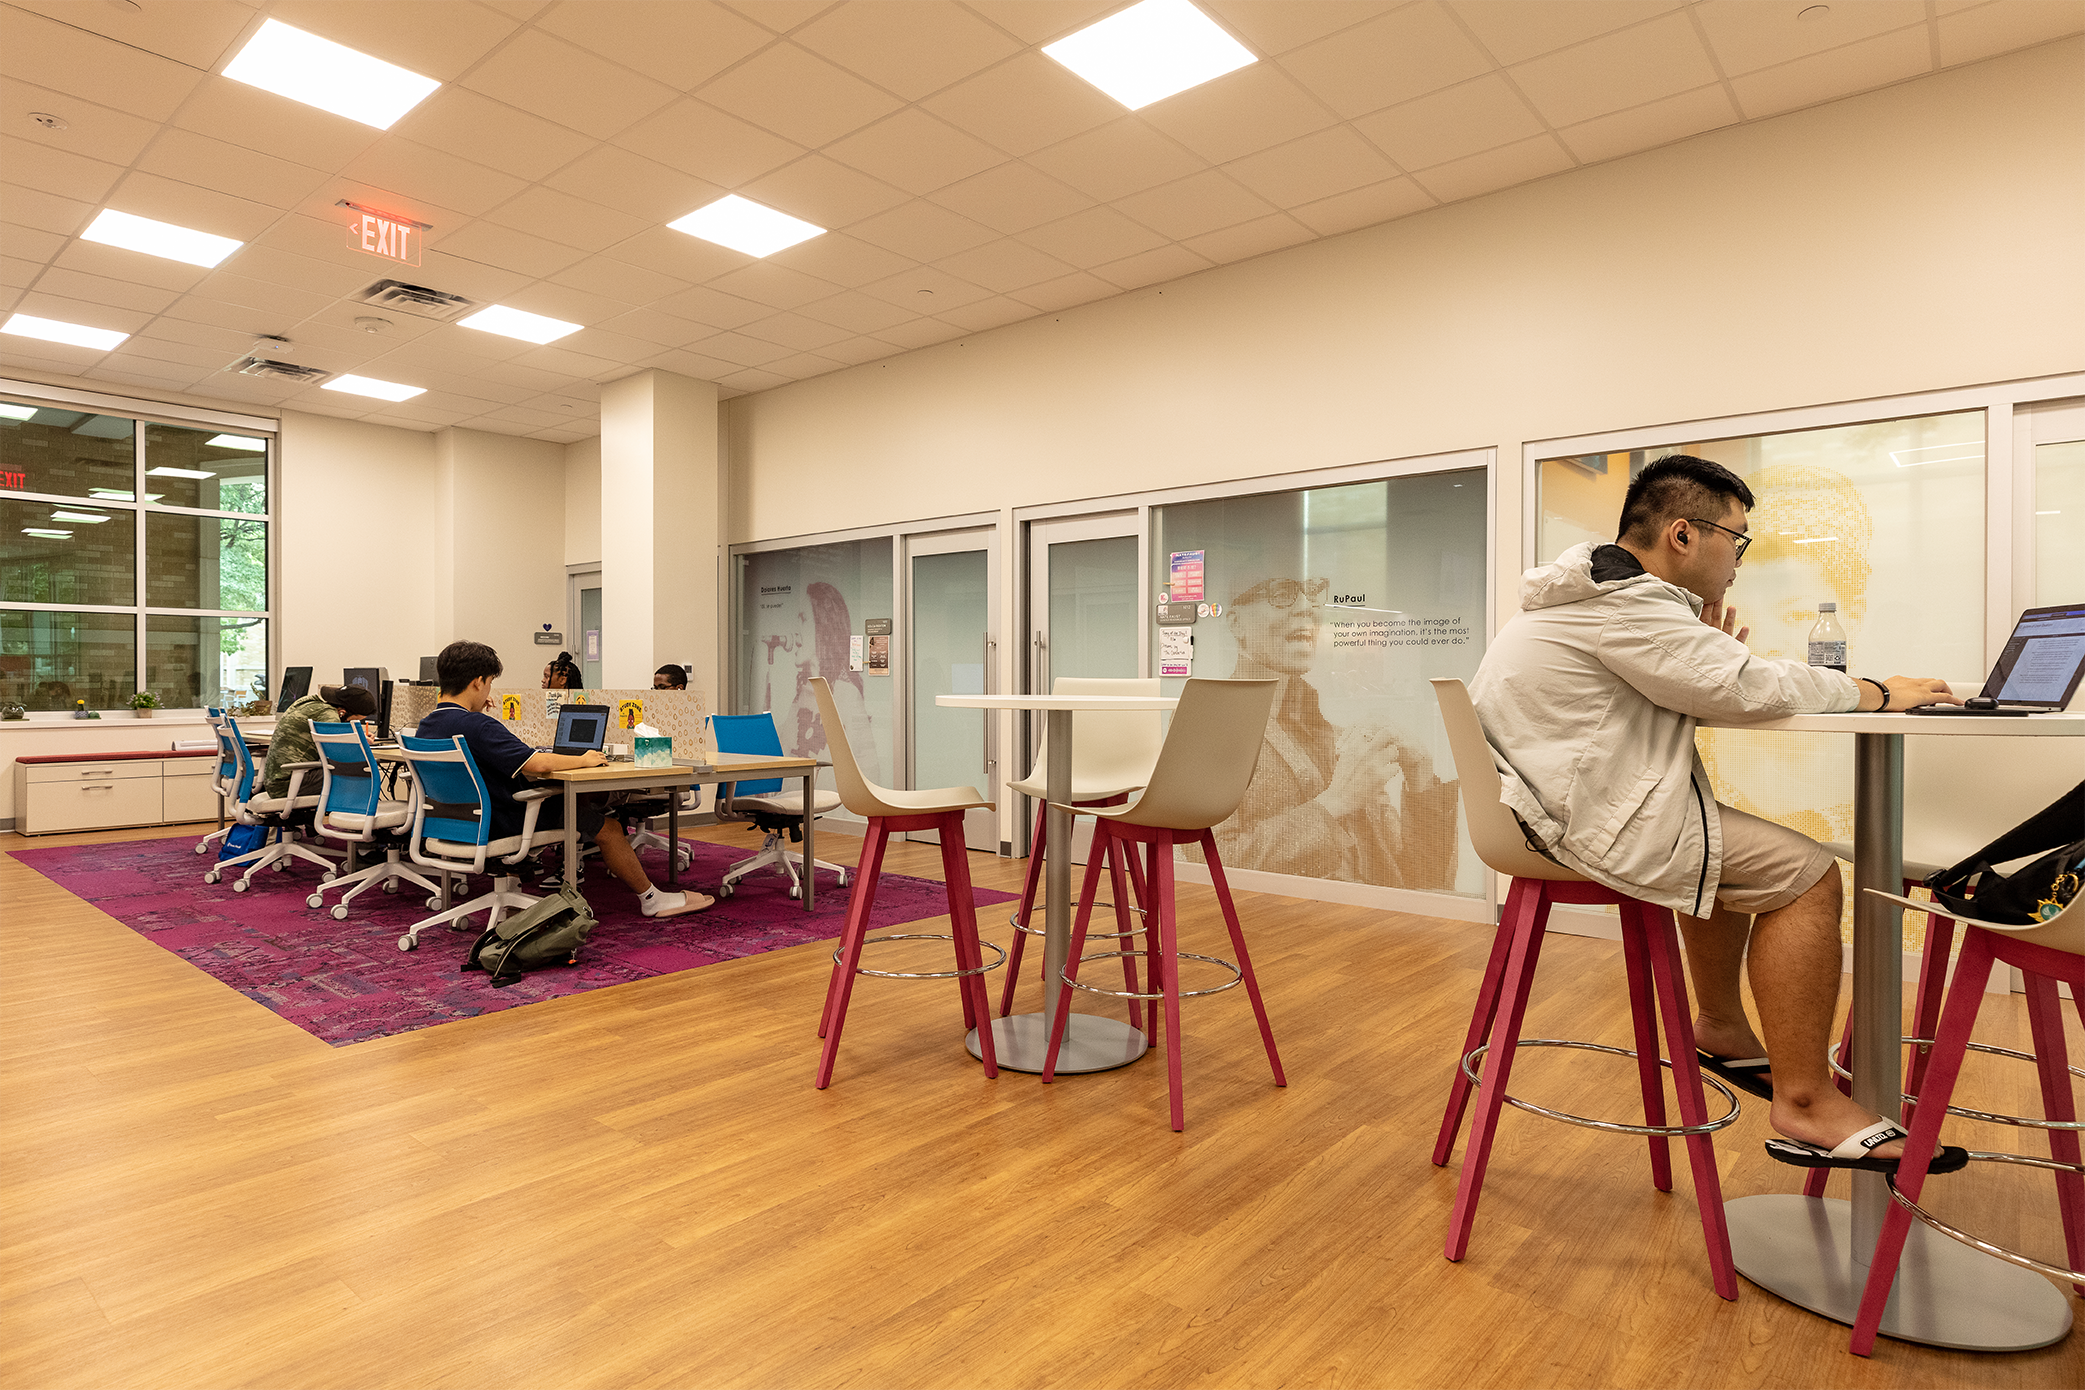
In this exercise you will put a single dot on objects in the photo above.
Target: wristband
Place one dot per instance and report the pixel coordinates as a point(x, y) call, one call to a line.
point(1885, 691)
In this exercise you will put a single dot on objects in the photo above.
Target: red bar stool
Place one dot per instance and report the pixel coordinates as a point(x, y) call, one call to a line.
point(1657, 985)
point(1203, 769)
point(2047, 954)
point(887, 811)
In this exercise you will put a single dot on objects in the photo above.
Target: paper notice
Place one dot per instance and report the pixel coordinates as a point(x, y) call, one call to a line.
point(1176, 651)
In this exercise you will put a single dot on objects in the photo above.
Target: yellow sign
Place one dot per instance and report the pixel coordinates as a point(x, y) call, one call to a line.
point(510, 707)
point(629, 713)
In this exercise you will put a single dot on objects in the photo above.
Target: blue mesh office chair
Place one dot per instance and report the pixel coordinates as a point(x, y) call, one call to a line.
point(775, 811)
point(224, 780)
point(249, 805)
point(352, 810)
point(452, 829)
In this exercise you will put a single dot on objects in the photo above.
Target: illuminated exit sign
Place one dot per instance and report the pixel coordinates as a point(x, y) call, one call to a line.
point(381, 234)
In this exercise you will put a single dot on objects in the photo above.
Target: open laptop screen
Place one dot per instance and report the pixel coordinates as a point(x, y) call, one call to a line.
point(2043, 661)
point(580, 728)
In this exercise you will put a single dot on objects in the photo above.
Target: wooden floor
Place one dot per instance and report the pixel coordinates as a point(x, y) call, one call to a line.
point(639, 1187)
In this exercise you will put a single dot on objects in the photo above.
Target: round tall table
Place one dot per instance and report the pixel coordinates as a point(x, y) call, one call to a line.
point(1815, 1252)
point(1091, 1043)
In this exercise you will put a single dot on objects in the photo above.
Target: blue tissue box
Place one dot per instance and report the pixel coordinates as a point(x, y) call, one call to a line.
point(652, 752)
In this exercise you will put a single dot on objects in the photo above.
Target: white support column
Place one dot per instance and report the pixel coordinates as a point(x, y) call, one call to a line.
point(660, 529)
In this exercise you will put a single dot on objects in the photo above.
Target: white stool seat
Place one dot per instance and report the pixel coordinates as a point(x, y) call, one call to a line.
point(787, 803)
point(1102, 788)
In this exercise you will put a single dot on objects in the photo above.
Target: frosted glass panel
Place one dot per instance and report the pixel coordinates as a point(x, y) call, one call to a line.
point(798, 610)
point(1093, 608)
point(2059, 523)
point(949, 597)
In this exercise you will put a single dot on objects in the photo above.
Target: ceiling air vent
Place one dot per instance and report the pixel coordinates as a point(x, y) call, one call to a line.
point(417, 299)
point(286, 371)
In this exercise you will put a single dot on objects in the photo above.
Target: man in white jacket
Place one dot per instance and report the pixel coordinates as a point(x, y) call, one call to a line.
point(1589, 698)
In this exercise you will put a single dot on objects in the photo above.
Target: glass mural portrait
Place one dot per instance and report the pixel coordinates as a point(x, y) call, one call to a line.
point(799, 610)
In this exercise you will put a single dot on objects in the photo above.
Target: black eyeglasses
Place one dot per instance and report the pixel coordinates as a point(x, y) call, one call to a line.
point(1740, 537)
point(1283, 593)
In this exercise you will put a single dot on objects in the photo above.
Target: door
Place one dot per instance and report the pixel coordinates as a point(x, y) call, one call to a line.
point(583, 610)
point(950, 647)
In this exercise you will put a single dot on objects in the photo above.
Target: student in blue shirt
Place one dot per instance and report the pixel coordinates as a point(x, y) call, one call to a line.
point(466, 671)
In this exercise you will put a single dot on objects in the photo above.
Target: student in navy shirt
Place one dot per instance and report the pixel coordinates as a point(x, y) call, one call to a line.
point(466, 671)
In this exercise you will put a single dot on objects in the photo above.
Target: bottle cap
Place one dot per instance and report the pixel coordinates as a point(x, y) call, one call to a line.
point(1827, 607)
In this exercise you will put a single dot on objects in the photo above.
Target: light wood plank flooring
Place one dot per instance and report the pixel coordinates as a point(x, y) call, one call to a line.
point(639, 1187)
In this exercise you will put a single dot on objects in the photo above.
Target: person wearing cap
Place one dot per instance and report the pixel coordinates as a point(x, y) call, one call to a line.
point(292, 742)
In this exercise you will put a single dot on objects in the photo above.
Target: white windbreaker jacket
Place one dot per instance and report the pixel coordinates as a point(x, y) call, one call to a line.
point(1589, 698)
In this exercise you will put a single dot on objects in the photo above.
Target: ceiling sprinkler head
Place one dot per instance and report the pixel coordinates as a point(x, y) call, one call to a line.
point(48, 121)
point(370, 324)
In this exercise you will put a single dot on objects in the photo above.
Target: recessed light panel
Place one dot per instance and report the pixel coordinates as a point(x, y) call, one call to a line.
point(1150, 51)
point(179, 473)
point(367, 386)
point(113, 228)
point(330, 76)
point(518, 323)
point(237, 441)
point(89, 518)
point(744, 225)
point(71, 334)
point(10, 411)
point(47, 533)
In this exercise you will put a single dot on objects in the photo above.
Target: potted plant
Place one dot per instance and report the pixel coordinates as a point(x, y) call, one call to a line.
point(144, 702)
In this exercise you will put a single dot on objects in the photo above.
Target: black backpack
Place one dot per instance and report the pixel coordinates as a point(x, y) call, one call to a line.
point(2032, 894)
point(542, 936)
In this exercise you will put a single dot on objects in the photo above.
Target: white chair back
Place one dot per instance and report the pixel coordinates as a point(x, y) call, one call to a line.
point(1117, 747)
point(1208, 757)
point(1495, 831)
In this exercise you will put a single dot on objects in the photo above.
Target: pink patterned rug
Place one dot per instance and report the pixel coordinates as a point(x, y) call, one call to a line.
point(347, 982)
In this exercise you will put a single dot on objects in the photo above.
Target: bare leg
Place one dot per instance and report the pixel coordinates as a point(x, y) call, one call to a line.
point(1715, 953)
point(622, 861)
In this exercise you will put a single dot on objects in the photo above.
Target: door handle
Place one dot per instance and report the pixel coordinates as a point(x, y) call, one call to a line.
point(990, 761)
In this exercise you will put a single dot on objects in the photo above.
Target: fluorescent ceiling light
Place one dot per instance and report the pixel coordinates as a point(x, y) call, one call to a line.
point(113, 228)
point(1150, 51)
point(321, 73)
point(120, 494)
point(744, 225)
point(47, 532)
point(9, 411)
point(237, 441)
point(370, 386)
point(1816, 540)
point(72, 334)
point(518, 323)
point(179, 473)
point(89, 517)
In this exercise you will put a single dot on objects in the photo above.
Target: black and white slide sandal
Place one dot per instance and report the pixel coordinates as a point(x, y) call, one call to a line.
point(1748, 1074)
point(1854, 1152)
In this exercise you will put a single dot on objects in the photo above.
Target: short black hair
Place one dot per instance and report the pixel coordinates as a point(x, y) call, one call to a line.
point(463, 662)
point(677, 674)
point(1678, 487)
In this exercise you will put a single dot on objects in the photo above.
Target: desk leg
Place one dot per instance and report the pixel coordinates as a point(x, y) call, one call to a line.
point(1814, 1252)
point(572, 834)
point(810, 843)
point(673, 838)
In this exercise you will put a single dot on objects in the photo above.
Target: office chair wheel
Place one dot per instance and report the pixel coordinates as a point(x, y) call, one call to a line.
point(340, 912)
point(433, 905)
point(240, 885)
point(725, 890)
point(795, 892)
point(314, 901)
point(326, 877)
point(212, 876)
point(407, 943)
point(389, 885)
point(202, 846)
point(280, 865)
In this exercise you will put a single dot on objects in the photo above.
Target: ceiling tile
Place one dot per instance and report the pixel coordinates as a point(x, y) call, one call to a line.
point(441, 42)
point(1648, 126)
point(46, 305)
point(773, 285)
point(210, 163)
point(47, 212)
point(682, 43)
point(300, 272)
point(1629, 68)
point(1495, 169)
point(1456, 121)
point(705, 305)
point(922, 231)
point(95, 131)
point(1364, 207)
point(1407, 53)
point(564, 83)
point(47, 53)
point(1152, 267)
point(1239, 113)
point(802, 366)
point(1841, 72)
point(545, 212)
point(418, 171)
point(855, 351)
point(17, 274)
point(1024, 104)
point(688, 259)
point(921, 333)
point(1746, 35)
point(202, 335)
point(749, 380)
point(1196, 204)
point(630, 183)
point(492, 133)
point(492, 244)
point(1254, 238)
point(1004, 265)
point(988, 313)
point(654, 327)
point(1041, 21)
point(796, 331)
point(243, 291)
point(1988, 30)
point(698, 139)
point(181, 354)
point(737, 348)
point(100, 289)
point(321, 238)
point(799, 96)
point(1276, 26)
point(1315, 167)
point(604, 344)
point(563, 302)
point(1124, 156)
point(53, 170)
point(471, 279)
point(29, 243)
point(924, 290)
point(857, 312)
point(780, 15)
point(619, 280)
point(196, 32)
point(1091, 238)
point(570, 363)
point(911, 47)
point(841, 259)
point(257, 120)
point(1011, 198)
point(822, 192)
point(118, 263)
point(1516, 30)
point(915, 151)
point(186, 205)
point(692, 364)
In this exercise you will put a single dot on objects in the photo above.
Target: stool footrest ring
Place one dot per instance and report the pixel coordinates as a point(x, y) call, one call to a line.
point(1236, 977)
point(1831, 1058)
point(1013, 919)
point(2068, 1276)
point(1472, 1064)
point(925, 974)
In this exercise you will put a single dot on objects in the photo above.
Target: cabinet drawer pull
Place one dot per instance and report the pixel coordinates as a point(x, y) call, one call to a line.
point(103, 772)
point(100, 787)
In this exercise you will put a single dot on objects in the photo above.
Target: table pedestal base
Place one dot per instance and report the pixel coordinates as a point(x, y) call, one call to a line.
point(1946, 1295)
point(1091, 1043)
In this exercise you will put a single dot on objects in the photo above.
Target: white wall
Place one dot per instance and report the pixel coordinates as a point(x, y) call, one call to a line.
point(507, 509)
point(583, 502)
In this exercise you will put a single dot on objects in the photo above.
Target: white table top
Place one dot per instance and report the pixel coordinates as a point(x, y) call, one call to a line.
point(2069, 723)
point(1071, 702)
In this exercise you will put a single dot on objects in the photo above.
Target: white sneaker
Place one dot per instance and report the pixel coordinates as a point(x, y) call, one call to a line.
point(674, 904)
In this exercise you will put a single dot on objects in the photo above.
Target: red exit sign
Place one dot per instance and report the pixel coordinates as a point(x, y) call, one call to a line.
point(394, 239)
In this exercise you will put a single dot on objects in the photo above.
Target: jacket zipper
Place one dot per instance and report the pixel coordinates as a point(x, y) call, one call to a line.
point(1701, 881)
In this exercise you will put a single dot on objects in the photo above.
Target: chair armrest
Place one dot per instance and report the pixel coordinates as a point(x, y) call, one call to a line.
point(538, 793)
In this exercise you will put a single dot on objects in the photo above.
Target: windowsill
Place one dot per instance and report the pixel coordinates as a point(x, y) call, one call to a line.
point(161, 719)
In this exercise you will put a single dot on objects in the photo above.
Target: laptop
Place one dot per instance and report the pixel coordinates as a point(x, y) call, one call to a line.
point(2038, 671)
point(581, 728)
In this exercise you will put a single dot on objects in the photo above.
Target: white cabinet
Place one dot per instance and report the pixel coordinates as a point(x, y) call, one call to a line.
point(186, 789)
point(109, 795)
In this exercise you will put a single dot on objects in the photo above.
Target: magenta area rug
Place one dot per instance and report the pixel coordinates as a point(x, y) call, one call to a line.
point(347, 982)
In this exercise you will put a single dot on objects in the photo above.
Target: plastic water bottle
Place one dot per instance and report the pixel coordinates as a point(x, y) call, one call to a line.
point(1828, 639)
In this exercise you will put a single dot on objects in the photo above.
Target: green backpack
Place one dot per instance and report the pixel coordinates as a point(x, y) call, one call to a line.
point(544, 935)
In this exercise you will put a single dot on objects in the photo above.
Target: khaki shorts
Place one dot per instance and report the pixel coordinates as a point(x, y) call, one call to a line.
point(1766, 866)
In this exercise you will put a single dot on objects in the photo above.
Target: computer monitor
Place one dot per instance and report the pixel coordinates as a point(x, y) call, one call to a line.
point(370, 678)
point(581, 728)
point(428, 675)
point(383, 712)
point(295, 685)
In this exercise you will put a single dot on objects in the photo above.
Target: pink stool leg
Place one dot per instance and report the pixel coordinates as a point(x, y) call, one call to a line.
point(1643, 1015)
point(1521, 958)
point(1662, 937)
point(842, 987)
point(1080, 923)
point(1029, 883)
point(1932, 986)
point(1252, 984)
point(1118, 887)
point(1957, 1018)
point(1162, 889)
point(1522, 892)
point(962, 912)
point(2052, 1060)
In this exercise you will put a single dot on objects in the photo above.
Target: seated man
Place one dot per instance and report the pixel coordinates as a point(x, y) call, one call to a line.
point(465, 671)
point(292, 741)
point(670, 678)
point(1589, 698)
